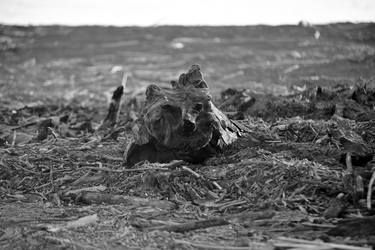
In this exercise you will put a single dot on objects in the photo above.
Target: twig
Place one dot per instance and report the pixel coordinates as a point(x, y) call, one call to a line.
point(43, 185)
point(80, 179)
point(25, 169)
point(123, 170)
point(173, 164)
point(98, 188)
point(348, 161)
point(103, 169)
point(111, 158)
point(124, 80)
point(51, 178)
point(168, 166)
point(106, 198)
point(191, 171)
point(217, 185)
point(83, 221)
point(54, 134)
point(26, 125)
point(232, 204)
point(200, 176)
point(369, 191)
point(308, 224)
point(275, 141)
point(14, 138)
point(144, 169)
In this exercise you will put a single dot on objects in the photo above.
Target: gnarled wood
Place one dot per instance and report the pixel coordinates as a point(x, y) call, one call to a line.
point(180, 123)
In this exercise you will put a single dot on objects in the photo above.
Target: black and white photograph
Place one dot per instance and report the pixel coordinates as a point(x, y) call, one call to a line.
point(187, 124)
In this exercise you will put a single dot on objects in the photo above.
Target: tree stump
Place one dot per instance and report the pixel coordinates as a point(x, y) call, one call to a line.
point(180, 123)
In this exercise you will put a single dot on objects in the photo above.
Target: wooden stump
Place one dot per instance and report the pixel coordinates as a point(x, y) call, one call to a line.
point(180, 123)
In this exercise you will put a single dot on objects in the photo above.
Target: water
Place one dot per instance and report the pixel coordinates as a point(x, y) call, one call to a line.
point(187, 12)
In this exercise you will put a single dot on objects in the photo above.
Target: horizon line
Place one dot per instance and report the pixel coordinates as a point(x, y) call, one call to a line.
point(187, 25)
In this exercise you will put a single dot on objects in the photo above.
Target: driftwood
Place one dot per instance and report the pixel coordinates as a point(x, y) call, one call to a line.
point(180, 123)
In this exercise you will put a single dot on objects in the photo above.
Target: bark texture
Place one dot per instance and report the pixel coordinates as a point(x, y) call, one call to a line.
point(181, 123)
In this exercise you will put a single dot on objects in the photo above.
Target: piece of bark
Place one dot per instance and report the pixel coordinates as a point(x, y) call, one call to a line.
point(180, 123)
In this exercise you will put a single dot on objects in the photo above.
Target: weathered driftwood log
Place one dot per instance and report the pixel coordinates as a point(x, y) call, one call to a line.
point(180, 123)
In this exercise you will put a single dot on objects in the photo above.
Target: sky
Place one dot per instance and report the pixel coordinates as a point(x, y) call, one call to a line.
point(187, 12)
